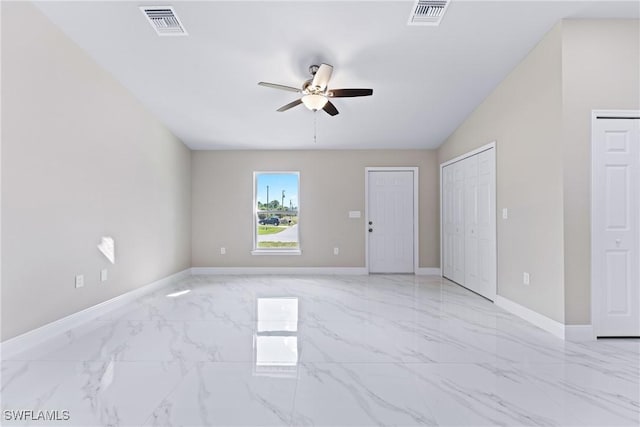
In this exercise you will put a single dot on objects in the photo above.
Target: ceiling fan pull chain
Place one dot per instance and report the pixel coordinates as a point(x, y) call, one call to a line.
point(315, 126)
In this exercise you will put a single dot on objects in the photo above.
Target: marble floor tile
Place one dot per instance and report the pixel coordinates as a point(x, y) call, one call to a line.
point(599, 394)
point(105, 393)
point(359, 394)
point(481, 395)
point(229, 394)
point(320, 350)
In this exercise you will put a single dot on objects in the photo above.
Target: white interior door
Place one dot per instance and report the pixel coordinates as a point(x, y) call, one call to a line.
point(616, 231)
point(391, 221)
point(485, 225)
point(458, 223)
point(471, 255)
point(447, 222)
point(469, 222)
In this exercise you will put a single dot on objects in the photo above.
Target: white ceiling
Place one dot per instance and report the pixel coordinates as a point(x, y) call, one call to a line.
point(426, 80)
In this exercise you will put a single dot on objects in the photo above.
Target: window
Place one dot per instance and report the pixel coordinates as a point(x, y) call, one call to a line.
point(276, 204)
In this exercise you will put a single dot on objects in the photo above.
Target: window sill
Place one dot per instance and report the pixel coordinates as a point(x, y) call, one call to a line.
point(276, 252)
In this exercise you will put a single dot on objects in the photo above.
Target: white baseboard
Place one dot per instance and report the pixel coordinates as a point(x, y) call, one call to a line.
point(428, 271)
point(553, 326)
point(336, 271)
point(579, 333)
point(20, 343)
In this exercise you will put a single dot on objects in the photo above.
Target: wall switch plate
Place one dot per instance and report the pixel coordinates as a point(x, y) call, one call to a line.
point(79, 281)
point(354, 214)
point(103, 275)
point(526, 279)
point(505, 213)
point(336, 251)
point(223, 251)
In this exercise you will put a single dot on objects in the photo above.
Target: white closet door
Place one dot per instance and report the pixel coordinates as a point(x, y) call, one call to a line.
point(616, 193)
point(458, 223)
point(471, 267)
point(447, 221)
point(469, 223)
point(485, 225)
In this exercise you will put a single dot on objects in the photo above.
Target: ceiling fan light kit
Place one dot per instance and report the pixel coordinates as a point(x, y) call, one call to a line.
point(315, 94)
point(314, 102)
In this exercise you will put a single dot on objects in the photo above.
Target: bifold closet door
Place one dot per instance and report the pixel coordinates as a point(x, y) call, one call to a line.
point(458, 261)
point(480, 214)
point(469, 223)
point(453, 217)
point(471, 255)
point(447, 222)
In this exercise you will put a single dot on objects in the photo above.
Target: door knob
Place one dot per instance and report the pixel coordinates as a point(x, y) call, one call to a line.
point(370, 222)
point(370, 230)
point(618, 242)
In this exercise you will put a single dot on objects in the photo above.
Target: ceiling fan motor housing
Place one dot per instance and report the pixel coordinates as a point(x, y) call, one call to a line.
point(307, 86)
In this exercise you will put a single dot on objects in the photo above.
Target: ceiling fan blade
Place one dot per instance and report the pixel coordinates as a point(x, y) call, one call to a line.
point(290, 105)
point(322, 76)
point(349, 93)
point(330, 109)
point(277, 86)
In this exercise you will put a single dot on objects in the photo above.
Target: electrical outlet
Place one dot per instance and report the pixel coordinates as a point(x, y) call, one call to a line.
point(79, 281)
point(103, 275)
point(336, 251)
point(526, 279)
point(223, 251)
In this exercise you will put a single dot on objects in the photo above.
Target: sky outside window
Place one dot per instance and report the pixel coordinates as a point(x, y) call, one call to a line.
point(278, 182)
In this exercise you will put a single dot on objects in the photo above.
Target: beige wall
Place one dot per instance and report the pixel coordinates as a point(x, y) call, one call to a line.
point(540, 116)
point(331, 184)
point(601, 70)
point(81, 158)
point(523, 115)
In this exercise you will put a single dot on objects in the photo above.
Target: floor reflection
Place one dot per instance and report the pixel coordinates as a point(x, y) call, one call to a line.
point(275, 340)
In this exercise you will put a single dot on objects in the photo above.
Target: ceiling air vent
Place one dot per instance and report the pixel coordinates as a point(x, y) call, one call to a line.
point(428, 12)
point(164, 20)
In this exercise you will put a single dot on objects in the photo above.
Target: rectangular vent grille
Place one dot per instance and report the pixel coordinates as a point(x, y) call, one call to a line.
point(428, 12)
point(164, 20)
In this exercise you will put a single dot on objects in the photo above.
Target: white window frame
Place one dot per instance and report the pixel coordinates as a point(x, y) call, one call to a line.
point(273, 251)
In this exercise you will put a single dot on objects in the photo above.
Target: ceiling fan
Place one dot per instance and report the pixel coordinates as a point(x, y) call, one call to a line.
point(315, 93)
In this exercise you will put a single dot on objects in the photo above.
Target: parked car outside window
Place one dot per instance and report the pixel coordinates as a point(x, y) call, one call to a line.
point(274, 220)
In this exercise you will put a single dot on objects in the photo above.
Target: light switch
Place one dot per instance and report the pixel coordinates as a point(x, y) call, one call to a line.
point(354, 214)
point(505, 213)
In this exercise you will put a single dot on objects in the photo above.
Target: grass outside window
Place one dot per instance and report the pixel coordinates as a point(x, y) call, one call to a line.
point(270, 229)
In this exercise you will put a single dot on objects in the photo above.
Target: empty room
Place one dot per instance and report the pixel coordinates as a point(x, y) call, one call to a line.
point(331, 213)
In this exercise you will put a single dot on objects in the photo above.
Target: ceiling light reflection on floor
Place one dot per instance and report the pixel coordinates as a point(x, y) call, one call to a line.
point(178, 293)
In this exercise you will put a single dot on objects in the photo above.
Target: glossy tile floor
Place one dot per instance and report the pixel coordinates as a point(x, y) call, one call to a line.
point(327, 351)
